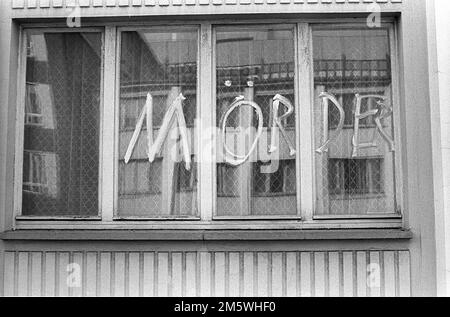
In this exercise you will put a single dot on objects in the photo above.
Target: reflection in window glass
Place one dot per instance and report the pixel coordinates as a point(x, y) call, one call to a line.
point(352, 178)
point(162, 63)
point(256, 63)
point(61, 146)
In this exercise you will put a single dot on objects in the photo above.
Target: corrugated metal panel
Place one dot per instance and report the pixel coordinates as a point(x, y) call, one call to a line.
point(334, 273)
point(20, 4)
point(99, 8)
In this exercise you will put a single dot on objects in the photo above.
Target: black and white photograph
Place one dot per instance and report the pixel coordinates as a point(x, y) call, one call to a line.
point(224, 155)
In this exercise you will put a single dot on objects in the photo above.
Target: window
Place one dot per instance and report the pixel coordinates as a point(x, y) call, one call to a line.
point(158, 69)
point(281, 182)
point(34, 107)
point(356, 175)
point(62, 113)
point(35, 180)
point(199, 125)
point(349, 177)
point(256, 63)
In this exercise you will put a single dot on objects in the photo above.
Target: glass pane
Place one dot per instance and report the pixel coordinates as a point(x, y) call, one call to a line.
point(256, 64)
point(158, 70)
point(355, 172)
point(62, 110)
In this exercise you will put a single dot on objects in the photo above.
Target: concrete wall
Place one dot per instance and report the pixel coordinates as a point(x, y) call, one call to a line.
point(439, 60)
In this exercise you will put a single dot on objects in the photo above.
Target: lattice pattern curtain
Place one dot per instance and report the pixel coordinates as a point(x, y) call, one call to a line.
point(256, 63)
point(349, 62)
point(164, 64)
point(61, 149)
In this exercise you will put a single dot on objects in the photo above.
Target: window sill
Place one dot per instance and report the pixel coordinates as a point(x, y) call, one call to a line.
point(205, 235)
point(190, 225)
point(358, 217)
point(63, 218)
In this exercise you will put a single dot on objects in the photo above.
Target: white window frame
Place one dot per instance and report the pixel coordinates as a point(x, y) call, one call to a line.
point(114, 116)
point(206, 118)
point(398, 194)
point(20, 126)
point(299, 46)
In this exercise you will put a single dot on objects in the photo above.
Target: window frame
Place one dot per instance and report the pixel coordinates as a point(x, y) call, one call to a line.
point(20, 126)
point(391, 28)
point(114, 213)
point(297, 82)
point(206, 117)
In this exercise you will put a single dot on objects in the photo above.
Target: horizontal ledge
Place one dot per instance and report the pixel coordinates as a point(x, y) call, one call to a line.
point(156, 219)
point(263, 218)
point(205, 235)
point(64, 218)
point(357, 217)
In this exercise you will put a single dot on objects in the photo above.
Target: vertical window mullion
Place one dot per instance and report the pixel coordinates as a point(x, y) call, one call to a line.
point(395, 93)
point(108, 126)
point(20, 128)
point(305, 174)
point(205, 125)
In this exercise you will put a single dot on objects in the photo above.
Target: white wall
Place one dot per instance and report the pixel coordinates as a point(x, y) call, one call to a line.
point(439, 60)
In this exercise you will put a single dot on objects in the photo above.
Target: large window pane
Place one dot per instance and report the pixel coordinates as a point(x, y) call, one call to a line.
point(256, 63)
point(355, 173)
point(156, 68)
point(62, 110)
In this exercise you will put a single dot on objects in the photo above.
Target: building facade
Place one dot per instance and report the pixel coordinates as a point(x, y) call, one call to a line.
point(223, 148)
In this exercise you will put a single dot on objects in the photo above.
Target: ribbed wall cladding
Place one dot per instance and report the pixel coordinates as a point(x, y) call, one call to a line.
point(19, 4)
point(336, 273)
point(100, 8)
